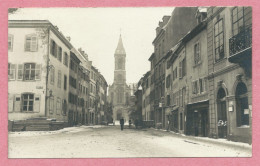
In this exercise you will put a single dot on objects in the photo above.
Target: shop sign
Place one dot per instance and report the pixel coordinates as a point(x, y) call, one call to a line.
point(246, 111)
point(230, 106)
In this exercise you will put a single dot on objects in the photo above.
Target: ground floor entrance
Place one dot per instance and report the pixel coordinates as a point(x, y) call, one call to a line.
point(197, 123)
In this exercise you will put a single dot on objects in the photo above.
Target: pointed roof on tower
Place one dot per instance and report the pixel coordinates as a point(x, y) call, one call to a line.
point(120, 48)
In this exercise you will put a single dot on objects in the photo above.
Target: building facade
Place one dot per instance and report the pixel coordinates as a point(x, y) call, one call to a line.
point(38, 56)
point(53, 78)
point(168, 34)
point(146, 108)
point(230, 69)
point(208, 74)
point(74, 79)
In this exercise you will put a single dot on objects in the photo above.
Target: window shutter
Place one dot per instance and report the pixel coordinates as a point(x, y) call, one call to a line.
point(13, 67)
point(205, 84)
point(198, 86)
point(20, 72)
point(58, 106)
point(193, 87)
point(33, 43)
point(36, 105)
point(180, 70)
point(181, 97)
point(38, 72)
point(195, 54)
point(17, 103)
point(12, 70)
point(199, 58)
point(27, 43)
point(55, 50)
point(10, 103)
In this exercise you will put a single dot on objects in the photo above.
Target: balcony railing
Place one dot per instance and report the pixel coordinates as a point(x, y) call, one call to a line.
point(241, 41)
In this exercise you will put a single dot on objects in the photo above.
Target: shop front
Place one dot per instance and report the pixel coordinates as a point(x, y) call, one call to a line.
point(197, 122)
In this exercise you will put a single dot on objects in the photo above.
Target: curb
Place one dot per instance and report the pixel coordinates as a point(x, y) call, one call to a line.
point(225, 143)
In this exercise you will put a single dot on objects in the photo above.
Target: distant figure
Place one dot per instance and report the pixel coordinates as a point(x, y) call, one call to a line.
point(130, 123)
point(168, 125)
point(122, 122)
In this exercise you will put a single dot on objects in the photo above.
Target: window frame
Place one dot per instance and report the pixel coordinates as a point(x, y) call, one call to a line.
point(197, 54)
point(31, 44)
point(28, 100)
point(218, 35)
point(53, 48)
point(31, 78)
point(237, 21)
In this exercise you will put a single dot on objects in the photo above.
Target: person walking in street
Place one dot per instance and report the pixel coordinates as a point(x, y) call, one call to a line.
point(130, 123)
point(122, 122)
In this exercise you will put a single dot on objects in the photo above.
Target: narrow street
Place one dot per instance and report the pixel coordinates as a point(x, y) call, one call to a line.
point(109, 141)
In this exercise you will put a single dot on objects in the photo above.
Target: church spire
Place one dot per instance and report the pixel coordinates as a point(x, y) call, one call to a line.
point(120, 48)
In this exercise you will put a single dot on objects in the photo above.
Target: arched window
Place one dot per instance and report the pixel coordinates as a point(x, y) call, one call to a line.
point(242, 111)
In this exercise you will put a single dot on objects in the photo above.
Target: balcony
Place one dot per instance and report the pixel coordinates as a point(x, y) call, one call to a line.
point(240, 49)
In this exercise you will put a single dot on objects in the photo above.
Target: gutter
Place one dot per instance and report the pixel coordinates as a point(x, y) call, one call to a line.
point(47, 74)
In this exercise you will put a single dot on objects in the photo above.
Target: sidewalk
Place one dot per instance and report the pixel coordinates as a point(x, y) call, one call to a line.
point(201, 140)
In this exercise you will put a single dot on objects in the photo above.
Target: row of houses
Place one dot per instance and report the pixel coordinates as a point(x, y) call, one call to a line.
point(200, 81)
point(50, 79)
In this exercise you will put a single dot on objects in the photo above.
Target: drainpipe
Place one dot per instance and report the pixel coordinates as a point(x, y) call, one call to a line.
point(47, 71)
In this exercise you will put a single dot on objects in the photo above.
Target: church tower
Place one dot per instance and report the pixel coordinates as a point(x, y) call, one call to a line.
point(120, 55)
point(119, 91)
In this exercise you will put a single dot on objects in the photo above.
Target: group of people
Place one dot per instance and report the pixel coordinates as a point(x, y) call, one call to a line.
point(122, 122)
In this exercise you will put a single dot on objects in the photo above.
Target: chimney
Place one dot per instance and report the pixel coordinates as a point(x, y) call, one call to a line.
point(56, 27)
point(160, 24)
point(157, 30)
point(68, 38)
point(166, 19)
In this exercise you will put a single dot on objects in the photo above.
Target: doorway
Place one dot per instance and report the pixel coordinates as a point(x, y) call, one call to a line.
point(222, 113)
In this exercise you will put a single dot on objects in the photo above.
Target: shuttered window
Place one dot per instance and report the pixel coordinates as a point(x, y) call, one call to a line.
point(29, 71)
point(27, 102)
point(31, 43)
point(53, 48)
point(197, 57)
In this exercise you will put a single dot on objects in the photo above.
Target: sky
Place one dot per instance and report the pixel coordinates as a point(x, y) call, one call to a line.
point(97, 30)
